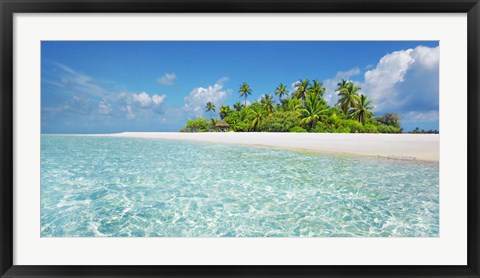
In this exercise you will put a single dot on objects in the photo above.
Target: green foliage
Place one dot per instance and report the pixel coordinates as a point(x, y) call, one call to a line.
point(352, 125)
point(382, 128)
point(301, 87)
point(210, 107)
point(238, 120)
point(333, 120)
point(291, 104)
point(320, 128)
point(313, 111)
point(213, 122)
point(348, 95)
point(241, 127)
point(238, 106)
point(281, 121)
point(197, 125)
point(244, 91)
point(305, 111)
point(362, 110)
point(257, 114)
point(281, 91)
point(391, 119)
point(369, 128)
point(342, 130)
point(224, 111)
point(267, 103)
point(297, 129)
point(316, 88)
point(418, 130)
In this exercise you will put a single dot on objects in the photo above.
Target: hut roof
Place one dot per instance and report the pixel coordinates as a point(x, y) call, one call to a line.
point(222, 124)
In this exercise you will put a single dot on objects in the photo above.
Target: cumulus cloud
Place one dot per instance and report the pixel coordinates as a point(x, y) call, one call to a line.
point(405, 81)
point(416, 116)
point(198, 97)
point(167, 79)
point(141, 105)
point(128, 112)
point(104, 108)
point(145, 100)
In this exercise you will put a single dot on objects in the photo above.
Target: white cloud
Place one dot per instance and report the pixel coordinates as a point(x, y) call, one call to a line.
point(157, 99)
point(167, 79)
point(415, 116)
point(145, 100)
point(77, 105)
point(76, 82)
point(405, 80)
point(104, 108)
point(129, 112)
point(198, 97)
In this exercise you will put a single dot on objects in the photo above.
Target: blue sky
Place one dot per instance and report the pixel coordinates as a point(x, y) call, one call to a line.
point(104, 87)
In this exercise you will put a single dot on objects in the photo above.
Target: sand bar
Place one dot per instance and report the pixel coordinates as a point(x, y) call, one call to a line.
point(423, 147)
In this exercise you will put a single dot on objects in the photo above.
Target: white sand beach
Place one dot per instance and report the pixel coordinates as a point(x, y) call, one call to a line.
point(423, 147)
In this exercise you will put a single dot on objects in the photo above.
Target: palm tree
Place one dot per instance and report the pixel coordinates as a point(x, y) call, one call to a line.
point(302, 87)
point(257, 115)
point(313, 110)
point(210, 107)
point(244, 91)
point(214, 123)
point(341, 84)
point(267, 103)
point(362, 111)
point(224, 110)
point(281, 91)
point(291, 104)
point(348, 96)
point(238, 106)
point(317, 88)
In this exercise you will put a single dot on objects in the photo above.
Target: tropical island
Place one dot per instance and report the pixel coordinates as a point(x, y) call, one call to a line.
point(312, 158)
point(304, 110)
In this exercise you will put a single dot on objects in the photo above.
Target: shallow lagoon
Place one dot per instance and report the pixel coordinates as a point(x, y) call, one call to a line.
point(131, 187)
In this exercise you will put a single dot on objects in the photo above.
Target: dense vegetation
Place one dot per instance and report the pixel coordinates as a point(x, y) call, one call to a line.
point(304, 110)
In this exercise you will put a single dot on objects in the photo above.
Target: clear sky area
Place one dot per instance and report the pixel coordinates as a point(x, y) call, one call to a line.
point(106, 87)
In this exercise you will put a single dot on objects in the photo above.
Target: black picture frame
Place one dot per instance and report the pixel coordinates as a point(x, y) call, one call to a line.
point(9, 7)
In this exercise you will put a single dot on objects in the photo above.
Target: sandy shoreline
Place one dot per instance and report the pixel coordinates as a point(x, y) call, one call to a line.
point(423, 147)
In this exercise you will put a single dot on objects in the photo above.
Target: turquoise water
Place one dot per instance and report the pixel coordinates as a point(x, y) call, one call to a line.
point(127, 187)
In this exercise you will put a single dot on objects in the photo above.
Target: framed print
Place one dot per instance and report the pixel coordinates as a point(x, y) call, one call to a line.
point(214, 138)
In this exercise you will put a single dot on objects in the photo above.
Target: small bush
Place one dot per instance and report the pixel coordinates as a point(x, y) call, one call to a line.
point(354, 126)
point(369, 128)
point(342, 130)
point(388, 129)
point(319, 128)
point(241, 127)
point(281, 121)
point(297, 129)
point(197, 125)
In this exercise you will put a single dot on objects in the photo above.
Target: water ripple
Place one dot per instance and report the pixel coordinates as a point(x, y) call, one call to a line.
point(126, 187)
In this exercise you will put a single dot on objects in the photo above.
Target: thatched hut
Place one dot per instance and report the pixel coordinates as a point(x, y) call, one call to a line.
point(222, 126)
